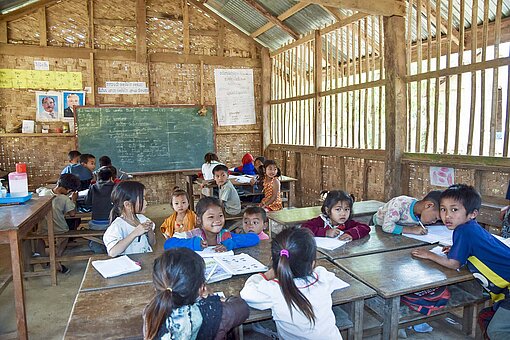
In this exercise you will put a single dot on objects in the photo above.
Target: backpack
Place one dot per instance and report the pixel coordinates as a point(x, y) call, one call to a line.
point(428, 300)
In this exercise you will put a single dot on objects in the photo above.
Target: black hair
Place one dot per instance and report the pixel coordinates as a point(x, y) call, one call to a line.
point(130, 191)
point(332, 198)
point(433, 197)
point(220, 167)
point(104, 173)
point(177, 275)
point(262, 170)
point(47, 97)
point(113, 170)
point(468, 196)
point(262, 159)
point(204, 204)
point(176, 192)
point(301, 249)
point(73, 154)
point(211, 156)
point(84, 157)
point(254, 210)
point(105, 161)
point(69, 182)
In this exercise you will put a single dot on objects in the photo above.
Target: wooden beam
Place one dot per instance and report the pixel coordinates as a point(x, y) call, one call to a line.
point(317, 66)
point(204, 33)
point(379, 7)
point(141, 31)
point(91, 32)
point(221, 39)
point(262, 10)
point(444, 23)
point(115, 22)
point(164, 16)
point(207, 59)
point(185, 26)
point(26, 10)
point(288, 13)
point(395, 103)
point(266, 97)
point(3, 32)
point(91, 97)
point(43, 30)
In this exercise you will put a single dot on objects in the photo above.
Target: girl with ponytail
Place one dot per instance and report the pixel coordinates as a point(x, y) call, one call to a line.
point(181, 307)
point(298, 294)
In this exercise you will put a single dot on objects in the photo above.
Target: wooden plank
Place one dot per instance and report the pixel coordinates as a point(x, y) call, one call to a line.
point(43, 30)
point(380, 7)
point(382, 76)
point(288, 13)
point(90, 28)
point(474, 18)
point(418, 130)
point(429, 65)
point(92, 95)
point(459, 77)
point(318, 89)
point(163, 15)
point(277, 22)
point(376, 155)
point(395, 103)
point(348, 99)
point(495, 100)
point(3, 32)
point(185, 25)
point(208, 60)
point(115, 22)
point(408, 64)
point(482, 87)
point(221, 39)
point(447, 91)
point(443, 26)
point(26, 10)
point(477, 162)
point(141, 32)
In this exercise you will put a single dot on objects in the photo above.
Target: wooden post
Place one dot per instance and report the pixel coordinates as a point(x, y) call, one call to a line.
point(43, 38)
point(91, 97)
point(141, 32)
point(185, 26)
point(3, 32)
point(318, 88)
point(266, 97)
point(396, 107)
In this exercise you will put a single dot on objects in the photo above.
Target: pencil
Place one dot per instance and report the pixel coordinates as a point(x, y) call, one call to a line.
point(422, 226)
point(211, 273)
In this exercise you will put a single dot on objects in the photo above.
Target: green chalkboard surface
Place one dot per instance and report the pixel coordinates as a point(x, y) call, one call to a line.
point(144, 139)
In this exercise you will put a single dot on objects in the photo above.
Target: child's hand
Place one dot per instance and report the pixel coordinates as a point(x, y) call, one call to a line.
point(345, 237)
point(220, 248)
point(421, 253)
point(142, 228)
point(204, 291)
point(446, 249)
point(417, 230)
point(203, 244)
point(332, 232)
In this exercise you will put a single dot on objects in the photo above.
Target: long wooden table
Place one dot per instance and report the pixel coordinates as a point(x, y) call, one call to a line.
point(15, 222)
point(396, 273)
point(377, 241)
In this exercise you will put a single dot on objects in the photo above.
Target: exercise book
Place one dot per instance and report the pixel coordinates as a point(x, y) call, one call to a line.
point(329, 243)
point(223, 267)
point(115, 267)
point(437, 233)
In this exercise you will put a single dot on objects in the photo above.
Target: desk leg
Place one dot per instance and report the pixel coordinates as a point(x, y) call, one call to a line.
point(391, 314)
point(17, 280)
point(51, 245)
point(189, 187)
point(356, 315)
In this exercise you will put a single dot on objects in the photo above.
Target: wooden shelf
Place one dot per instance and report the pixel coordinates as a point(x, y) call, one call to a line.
point(37, 135)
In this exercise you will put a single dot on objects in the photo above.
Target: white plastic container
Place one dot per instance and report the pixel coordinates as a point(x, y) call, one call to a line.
point(3, 190)
point(18, 181)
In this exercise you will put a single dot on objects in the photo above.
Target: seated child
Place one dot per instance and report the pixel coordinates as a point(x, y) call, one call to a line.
point(336, 218)
point(130, 232)
point(61, 205)
point(82, 170)
point(254, 221)
point(259, 161)
point(298, 294)
point(182, 307)
point(485, 256)
point(210, 232)
point(106, 161)
point(210, 161)
point(405, 214)
point(74, 158)
point(228, 194)
point(272, 200)
point(248, 168)
point(183, 218)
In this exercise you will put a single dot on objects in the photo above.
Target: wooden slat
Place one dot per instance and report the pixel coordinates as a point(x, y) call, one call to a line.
point(353, 106)
point(447, 91)
point(495, 100)
point(288, 13)
point(347, 97)
point(506, 139)
point(443, 27)
point(208, 60)
point(185, 26)
point(318, 88)
point(43, 39)
point(471, 162)
point(383, 77)
point(377, 155)
point(482, 87)
point(221, 39)
point(459, 77)
point(380, 7)
point(90, 22)
point(91, 97)
point(372, 72)
point(474, 18)
point(163, 15)
point(408, 65)
point(337, 120)
point(360, 99)
point(429, 65)
point(262, 10)
point(115, 22)
point(141, 32)
point(418, 129)
point(3, 32)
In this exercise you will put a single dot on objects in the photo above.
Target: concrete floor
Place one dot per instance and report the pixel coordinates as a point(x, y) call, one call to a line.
point(48, 308)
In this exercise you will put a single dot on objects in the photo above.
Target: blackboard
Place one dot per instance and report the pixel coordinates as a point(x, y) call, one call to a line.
point(144, 139)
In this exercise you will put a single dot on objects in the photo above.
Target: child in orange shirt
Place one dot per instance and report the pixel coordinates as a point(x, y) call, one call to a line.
point(183, 219)
point(272, 200)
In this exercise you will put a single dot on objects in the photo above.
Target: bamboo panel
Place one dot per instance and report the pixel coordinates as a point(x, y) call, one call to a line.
point(333, 173)
point(236, 47)
point(24, 31)
point(199, 20)
point(182, 83)
point(354, 177)
point(164, 35)
point(115, 9)
point(203, 45)
point(231, 148)
point(310, 179)
point(419, 179)
point(374, 181)
point(172, 8)
point(158, 187)
point(494, 183)
point(114, 37)
point(67, 23)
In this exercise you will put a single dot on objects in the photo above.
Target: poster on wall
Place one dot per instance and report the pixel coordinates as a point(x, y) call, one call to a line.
point(442, 177)
point(72, 99)
point(235, 98)
point(48, 106)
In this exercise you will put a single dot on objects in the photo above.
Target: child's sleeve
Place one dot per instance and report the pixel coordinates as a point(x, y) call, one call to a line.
point(255, 292)
point(316, 226)
point(88, 198)
point(167, 228)
point(461, 248)
point(193, 243)
point(391, 218)
point(111, 237)
point(356, 229)
point(241, 241)
point(69, 205)
point(235, 311)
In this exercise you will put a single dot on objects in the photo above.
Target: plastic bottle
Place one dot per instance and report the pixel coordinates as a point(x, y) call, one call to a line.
point(18, 181)
point(3, 190)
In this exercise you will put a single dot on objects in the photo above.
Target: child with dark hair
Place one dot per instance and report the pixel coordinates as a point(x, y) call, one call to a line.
point(61, 205)
point(182, 219)
point(83, 170)
point(130, 232)
point(485, 256)
point(336, 218)
point(298, 294)
point(210, 161)
point(404, 214)
point(119, 174)
point(182, 307)
point(259, 161)
point(254, 221)
point(210, 232)
point(272, 200)
point(228, 194)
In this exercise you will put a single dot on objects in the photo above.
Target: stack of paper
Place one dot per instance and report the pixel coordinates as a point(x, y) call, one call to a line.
point(116, 266)
point(329, 243)
point(436, 234)
point(210, 252)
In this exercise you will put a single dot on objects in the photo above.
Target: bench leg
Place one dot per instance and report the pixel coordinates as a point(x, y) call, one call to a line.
point(356, 315)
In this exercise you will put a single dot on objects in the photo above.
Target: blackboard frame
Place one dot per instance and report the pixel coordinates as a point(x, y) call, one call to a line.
point(212, 108)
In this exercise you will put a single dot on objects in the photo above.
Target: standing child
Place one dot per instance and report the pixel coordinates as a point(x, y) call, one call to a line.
point(272, 200)
point(228, 194)
point(182, 307)
point(210, 232)
point(130, 232)
point(182, 219)
point(211, 160)
point(404, 214)
point(298, 294)
point(336, 218)
point(485, 256)
point(254, 221)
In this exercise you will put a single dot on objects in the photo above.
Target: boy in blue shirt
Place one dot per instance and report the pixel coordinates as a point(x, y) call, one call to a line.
point(486, 257)
point(83, 170)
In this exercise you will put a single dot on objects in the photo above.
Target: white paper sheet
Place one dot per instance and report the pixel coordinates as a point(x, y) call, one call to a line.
point(438, 250)
point(329, 243)
point(209, 252)
point(436, 234)
point(240, 264)
point(116, 266)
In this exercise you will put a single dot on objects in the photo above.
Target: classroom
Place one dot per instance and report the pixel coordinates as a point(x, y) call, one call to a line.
point(359, 109)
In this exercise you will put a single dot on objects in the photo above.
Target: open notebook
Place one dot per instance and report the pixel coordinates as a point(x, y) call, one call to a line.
point(219, 268)
point(437, 233)
point(117, 266)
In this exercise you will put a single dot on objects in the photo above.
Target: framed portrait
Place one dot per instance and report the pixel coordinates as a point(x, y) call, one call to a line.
point(72, 99)
point(49, 106)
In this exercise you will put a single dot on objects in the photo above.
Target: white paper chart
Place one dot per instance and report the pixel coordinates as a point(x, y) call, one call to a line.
point(240, 264)
point(235, 96)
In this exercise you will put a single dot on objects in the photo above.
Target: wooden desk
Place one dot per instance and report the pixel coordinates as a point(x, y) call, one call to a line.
point(116, 313)
point(393, 274)
point(377, 241)
point(190, 174)
point(15, 222)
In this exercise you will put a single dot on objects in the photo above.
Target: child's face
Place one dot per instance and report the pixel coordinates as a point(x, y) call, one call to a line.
point(91, 164)
point(180, 204)
point(454, 214)
point(213, 219)
point(430, 214)
point(253, 223)
point(271, 170)
point(340, 213)
point(257, 163)
point(221, 177)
